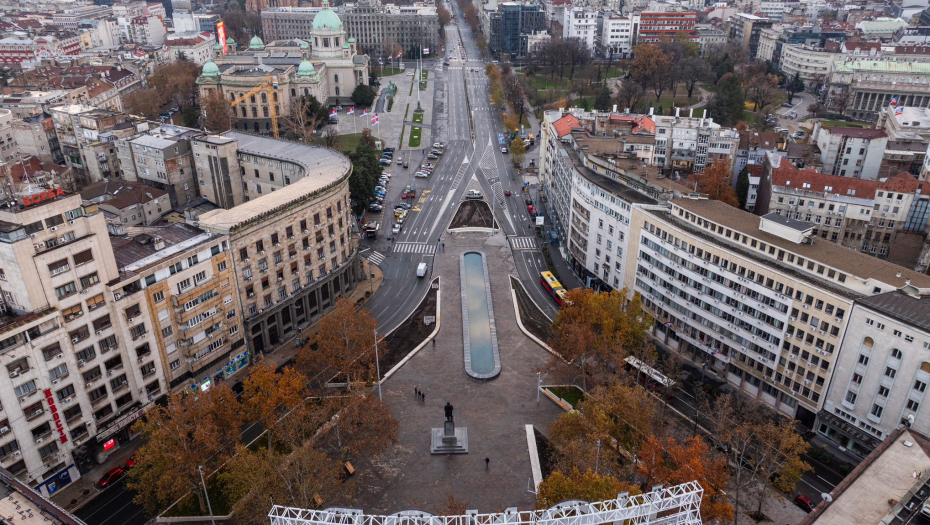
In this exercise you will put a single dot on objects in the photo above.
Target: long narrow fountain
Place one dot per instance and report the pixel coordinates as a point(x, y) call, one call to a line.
point(482, 359)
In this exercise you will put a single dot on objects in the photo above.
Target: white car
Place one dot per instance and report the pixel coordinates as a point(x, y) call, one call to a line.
point(396, 229)
point(421, 174)
point(473, 194)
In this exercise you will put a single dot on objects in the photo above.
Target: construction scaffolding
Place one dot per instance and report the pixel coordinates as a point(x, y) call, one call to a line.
point(677, 505)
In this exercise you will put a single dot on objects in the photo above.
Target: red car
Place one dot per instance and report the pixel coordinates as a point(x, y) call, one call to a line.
point(403, 195)
point(130, 463)
point(805, 503)
point(530, 209)
point(110, 477)
point(507, 193)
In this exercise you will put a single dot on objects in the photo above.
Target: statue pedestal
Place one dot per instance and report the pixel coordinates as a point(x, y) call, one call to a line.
point(449, 440)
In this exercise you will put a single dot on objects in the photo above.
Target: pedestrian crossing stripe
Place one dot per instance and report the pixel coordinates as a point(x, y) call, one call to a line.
point(523, 243)
point(415, 247)
point(376, 258)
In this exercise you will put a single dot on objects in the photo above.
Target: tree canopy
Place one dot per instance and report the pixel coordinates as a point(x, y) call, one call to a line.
point(364, 95)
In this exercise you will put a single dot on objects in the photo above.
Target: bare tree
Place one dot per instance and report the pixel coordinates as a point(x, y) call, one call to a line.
point(330, 137)
point(302, 120)
point(630, 95)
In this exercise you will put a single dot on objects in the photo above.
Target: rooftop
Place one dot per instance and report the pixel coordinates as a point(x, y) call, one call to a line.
point(827, 253)
point(22, 505)
point(120, 194)
point(788, 222)
point(886, 475)
point(322, 168)
point(881, 66)
point(858, 133)
point(788, 176)
point(566, 124)
point(615, 187)
point(135, 252)
point(907, 308)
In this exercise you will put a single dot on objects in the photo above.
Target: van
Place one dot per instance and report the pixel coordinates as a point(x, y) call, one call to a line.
point(421, 270)
point(473, 194)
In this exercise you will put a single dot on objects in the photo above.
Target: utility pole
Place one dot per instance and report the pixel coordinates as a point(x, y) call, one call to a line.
point(377, 364)
point(538, 385)
point(206, 494)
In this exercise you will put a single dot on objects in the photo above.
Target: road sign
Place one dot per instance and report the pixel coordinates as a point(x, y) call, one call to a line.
point(539, 220)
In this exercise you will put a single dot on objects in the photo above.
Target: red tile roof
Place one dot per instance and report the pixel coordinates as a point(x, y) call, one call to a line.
point(789, 176)
point(564, 125)
point(904, 182)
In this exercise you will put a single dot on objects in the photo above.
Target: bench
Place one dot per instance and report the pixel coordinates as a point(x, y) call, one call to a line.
point(349, 468)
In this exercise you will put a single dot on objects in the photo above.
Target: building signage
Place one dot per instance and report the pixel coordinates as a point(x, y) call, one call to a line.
point(47, 195)
point(221, 36)
point(124, 422)
point(50, 399)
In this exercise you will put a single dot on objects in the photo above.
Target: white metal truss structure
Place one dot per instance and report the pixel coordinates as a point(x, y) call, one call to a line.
point(677, 505)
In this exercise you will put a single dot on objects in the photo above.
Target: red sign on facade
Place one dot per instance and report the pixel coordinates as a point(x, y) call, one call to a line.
point(47, 195)
point(50, 399)
point(221, 36)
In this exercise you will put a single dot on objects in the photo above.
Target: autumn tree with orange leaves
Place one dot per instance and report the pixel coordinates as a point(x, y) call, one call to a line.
point(345, 343)
point(268, 395)
point(717, 184)
point(671, 462)
point(587, 486)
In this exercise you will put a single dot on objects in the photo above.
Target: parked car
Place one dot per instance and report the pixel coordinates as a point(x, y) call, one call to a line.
point(396, 229)
point(528, 201)
point(406, 165)
point(798, 134)
point(507, 193)
point(805, 503)
point(131, 462)
point(473, 194)
point(333, 120)
point(404, 194)
point(504, 150)
point(403, 205)
point(375, 207)
point(787, 105)
point(385, 162)
point(389, 149)
point(111, 477)
point(530, 209)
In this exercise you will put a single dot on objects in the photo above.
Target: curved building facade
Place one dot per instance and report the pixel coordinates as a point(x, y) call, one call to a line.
point(293, 251)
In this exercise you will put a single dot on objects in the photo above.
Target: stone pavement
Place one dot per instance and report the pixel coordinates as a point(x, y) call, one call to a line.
point(494, 411)
point(79, 492)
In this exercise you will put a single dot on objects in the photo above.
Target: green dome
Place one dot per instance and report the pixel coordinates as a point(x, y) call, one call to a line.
point(210, 70)
point(256, 44)
point(306, 69)
point(351, 39)
point(327, 20)
point(304, 45)
point(217, 46)
point(230, 41)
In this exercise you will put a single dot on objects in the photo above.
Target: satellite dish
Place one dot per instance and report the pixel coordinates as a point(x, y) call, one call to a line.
point(826, 497)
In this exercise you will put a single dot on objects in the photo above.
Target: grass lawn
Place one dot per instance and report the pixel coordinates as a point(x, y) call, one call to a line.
point(389, 71)
point(614, 73)
point(840, 123)
point(573, 395)
point(424, 74)
point(546, 83)
point(344, 142)
point(416, 132)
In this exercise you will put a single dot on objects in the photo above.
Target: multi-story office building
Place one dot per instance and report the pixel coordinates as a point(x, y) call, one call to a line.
point(752, 149)
point(666, 25)
point(294, 250)
point(8, 145)
point(180, 283)
point(708, 37)
point(509, 21)
point(127, 204)
point(868, 86)
point(850, 152)
point(689, 144)
point(36, 136)
point(581, 22)
point(882, 371)
point(376, 28)
point(70, 371)
point(616, 34)
point(745, 29)
point(554, 172)
point(754, 297)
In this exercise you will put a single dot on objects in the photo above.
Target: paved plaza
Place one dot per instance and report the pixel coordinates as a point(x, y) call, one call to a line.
point(494, 411)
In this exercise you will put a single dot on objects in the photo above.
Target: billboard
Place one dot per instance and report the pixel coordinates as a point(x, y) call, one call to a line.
point(221, 36)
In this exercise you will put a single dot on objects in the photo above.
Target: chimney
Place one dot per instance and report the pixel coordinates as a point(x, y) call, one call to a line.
point(907, 282)
point(651, 110)
point(898, 275)
point(159, 243)
point(705, 114)
point(691, 113)
point(677, 111)
point(615, 108)
point(626, 111)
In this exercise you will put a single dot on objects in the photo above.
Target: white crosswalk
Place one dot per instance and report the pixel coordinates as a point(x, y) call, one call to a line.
point(415, 247)
point(376, 258)
point(523, 243)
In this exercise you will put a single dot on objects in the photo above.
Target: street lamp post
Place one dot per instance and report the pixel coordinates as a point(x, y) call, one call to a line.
point(377, 364)
point(206, 494)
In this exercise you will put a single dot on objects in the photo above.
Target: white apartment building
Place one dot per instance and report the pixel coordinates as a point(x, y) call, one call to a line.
point(774, 10)
point(194, 47)
point(811, 64)
point(752, 296)
point(882, 372)
point(8, 148)
point(850, 152)
point(768, 38)
point(69, 368)
point(688, 144)
point(616, 33)
point(581, 23)
point(911, 124)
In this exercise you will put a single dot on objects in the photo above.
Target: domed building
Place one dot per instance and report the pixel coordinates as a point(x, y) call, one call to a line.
point(327, 66)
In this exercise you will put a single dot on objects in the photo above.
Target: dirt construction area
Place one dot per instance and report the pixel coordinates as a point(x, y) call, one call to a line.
point(473, 213)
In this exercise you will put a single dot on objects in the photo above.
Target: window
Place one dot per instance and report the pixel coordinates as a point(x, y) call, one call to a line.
point(58, 267)
point(159, 296)
point(83, 258)
point(895, 353)
point(912, 405)
point(25, 389)
point(891, 372)
point(883, 391)
point(58, 372)
point(66, 290)
point(877, 410)
point(175, 364)
point(851, 397)
point(89, 280)
point(65, 393)
point(165, 332)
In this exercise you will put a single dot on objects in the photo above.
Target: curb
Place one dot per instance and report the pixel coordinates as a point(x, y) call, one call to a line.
point(557, 400)
point(516, 311)
point(426, 341)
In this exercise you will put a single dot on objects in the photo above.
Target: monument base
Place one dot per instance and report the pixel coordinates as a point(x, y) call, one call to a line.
point(443, 444)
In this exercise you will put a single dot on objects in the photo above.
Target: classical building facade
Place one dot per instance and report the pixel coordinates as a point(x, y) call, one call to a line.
point(294, 250)
point(861, 88)
point(327, 66)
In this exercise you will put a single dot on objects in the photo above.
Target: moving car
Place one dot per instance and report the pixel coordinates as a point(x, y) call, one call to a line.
point(110, 477)
point(504, 150)
point(805, 503)
point(473, 194)
point(396, 229)
point(530, 209)
point(507, 193)
point(421, 270)
point(404, 194)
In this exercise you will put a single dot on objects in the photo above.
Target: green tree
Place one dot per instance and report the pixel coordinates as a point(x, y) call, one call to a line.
point(365, 171)
point(742, 187)
point(795, 86)
point(602, 100)
point(364, 95)
point(729, 101)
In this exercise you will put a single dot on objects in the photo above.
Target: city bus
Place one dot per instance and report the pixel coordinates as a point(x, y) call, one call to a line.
point(553, 287)
point(650, 378)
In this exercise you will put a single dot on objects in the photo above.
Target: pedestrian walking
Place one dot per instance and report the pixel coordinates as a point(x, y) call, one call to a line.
point(487, 463)
point(443, 246)
point(417, 392)
point(434, 342)
point(422, 397)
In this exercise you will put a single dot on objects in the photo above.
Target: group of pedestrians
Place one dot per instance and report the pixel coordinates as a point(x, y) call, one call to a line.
point(420, 395)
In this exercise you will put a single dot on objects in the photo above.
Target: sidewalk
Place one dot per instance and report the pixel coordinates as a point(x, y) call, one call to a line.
point(80, 492)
